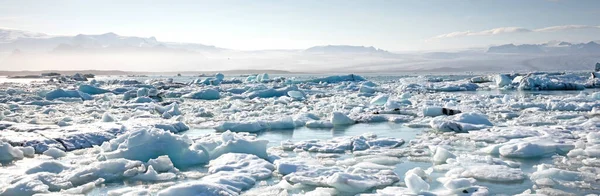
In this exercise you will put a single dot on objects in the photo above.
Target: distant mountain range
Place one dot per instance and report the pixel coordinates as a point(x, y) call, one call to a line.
point(10, 35)
point(23, 41)
point(19, 41)
point(548, 48)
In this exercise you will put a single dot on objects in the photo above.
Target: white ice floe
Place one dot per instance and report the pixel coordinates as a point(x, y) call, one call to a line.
point(206, 94)
point(229, 175)
point(338, 118)
point(343, 144)
point(535, 82)
point(9, 153)
point(146, 144)
point(218, 144)
point(55, 153)
point(461, 123)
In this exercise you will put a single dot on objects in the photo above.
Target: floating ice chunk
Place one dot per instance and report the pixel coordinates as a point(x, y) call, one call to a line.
point(461, 123)
point(473, 118)
point(319, 124)
point(395, 105)
point(106, 117)
point(270, 92)
point(173, 110)
point(282, 123)
point(175, 127)
point(351, 183)
point(441, 155)
point(142, 145)
point(296, 95)
point(338, 118)
point(143, 100)
point(302, 118)
point(198, 188)
point(459, 183)
point(48, 166)
point(236, 91)
point(343, 144)
point(249, 164)
point(405, 96)
point(92, 90)
point(391, 191)
point(152, 92)
point(129, 191)
point(251, 126)
point(55, 153)
point(219, 76)
point(142, 92)
point(593, 138)
point(251, 78)
point(322, 191)
point(9, 153)
point(369, 84)
point(83, 189)
point(534, 149)
point(162, 164)
point(264, 77)
point(218, 144)
point(60, 93)
point(152, 175)
point(445, 86)
point(480, 79)
point(128, 95)
point(596, 96)
point(502, 80)
point(417, 171)
point(206, 94)
point(229, 175)
point(366, 89)
point(415, 183)
point(109, 170)
point(561, 175)
point(432, 111)
point(552, 191)
point(380, 100)
point(24, 187)
point(370, 165)
point(494, 173)
point(544, 82)
point(385, 143)
point(28, 151)
point(79, 77)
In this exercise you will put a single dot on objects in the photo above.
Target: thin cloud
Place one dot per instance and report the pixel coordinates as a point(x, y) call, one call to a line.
point(507, 30)
point(566, 27)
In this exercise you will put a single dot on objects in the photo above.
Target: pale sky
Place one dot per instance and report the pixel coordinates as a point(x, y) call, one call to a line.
point(298, 24)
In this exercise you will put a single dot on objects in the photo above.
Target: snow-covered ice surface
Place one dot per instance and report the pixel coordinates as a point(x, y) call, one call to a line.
point(528, 133)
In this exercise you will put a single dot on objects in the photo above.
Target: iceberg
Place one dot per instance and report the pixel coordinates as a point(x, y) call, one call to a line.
point(146, 144)
point(206, 94)
point(60, 93)
point(92, 90)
